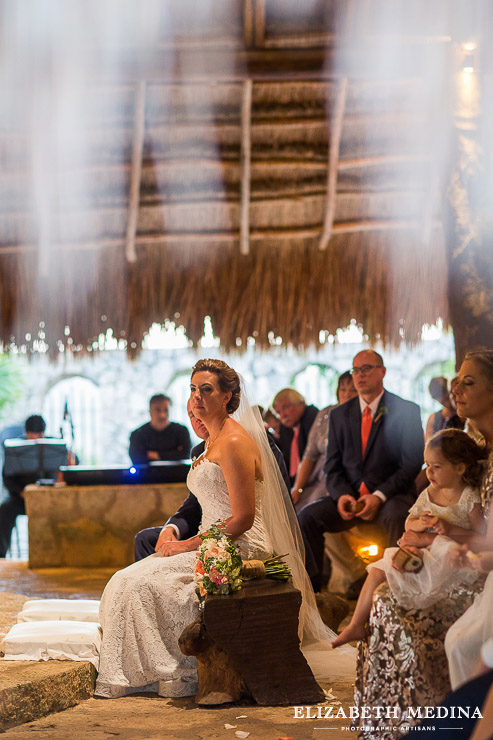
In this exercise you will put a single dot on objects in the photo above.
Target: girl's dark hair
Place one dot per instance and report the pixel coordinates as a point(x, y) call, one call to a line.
point(228, 379)
point(458, 447)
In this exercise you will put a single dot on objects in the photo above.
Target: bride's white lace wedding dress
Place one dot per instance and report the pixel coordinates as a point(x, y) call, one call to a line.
point(146, 607)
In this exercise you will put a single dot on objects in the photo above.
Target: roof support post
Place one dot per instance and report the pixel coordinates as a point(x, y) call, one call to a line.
point(136, 171)
point(334, 146)
point(246, 145)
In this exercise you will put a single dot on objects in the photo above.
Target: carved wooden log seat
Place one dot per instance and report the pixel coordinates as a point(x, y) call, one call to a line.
point(247, 644)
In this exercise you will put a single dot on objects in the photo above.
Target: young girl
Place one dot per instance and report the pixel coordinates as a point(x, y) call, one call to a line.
point(450, 506)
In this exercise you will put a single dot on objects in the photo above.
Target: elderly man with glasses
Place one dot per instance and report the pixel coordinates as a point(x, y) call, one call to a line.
point(296, 421)
point(374, 453)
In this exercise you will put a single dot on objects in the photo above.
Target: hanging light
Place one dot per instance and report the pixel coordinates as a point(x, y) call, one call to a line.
point(468, 62)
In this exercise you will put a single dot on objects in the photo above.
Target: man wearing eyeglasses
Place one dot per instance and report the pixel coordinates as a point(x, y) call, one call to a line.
point(374, 453)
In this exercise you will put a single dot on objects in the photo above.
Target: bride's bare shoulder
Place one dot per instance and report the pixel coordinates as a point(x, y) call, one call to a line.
point(238, 451)
point(237, 440)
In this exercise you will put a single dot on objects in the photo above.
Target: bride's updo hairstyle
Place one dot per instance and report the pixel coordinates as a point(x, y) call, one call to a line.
point(227, 378)
point(483, 358)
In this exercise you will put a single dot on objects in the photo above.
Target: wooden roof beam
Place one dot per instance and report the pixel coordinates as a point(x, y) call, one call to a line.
point(229, 237)
point(157, 203)
point(377, 161)
point(229, 63)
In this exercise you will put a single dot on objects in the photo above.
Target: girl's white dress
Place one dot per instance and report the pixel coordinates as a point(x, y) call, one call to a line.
point(437, 576)
point(146, 607)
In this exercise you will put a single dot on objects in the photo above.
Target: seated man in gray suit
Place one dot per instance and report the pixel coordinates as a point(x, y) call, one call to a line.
point(374, 453)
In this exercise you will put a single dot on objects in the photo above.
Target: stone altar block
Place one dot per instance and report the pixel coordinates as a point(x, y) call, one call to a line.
point(94, 526)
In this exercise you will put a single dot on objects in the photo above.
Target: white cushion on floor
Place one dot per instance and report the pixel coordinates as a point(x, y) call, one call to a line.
point(60, 640)
point(80, 610)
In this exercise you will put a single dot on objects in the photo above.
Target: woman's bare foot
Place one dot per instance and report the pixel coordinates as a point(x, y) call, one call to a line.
point(350, 633)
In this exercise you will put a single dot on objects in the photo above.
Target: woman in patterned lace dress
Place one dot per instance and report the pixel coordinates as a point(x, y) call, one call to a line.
point(402, 663)
point(465, 638)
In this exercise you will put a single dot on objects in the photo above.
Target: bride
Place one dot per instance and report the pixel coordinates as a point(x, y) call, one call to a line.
point(145, 607)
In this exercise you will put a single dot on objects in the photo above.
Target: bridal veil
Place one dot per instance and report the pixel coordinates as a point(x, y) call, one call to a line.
point(281, 524)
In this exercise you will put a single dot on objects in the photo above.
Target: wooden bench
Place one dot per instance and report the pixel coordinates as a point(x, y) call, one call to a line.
point(247, 644)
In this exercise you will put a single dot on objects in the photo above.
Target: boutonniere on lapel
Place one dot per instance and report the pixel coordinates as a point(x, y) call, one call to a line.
point(382, 411)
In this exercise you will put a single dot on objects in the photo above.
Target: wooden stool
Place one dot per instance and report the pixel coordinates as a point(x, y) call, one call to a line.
point(247, 644)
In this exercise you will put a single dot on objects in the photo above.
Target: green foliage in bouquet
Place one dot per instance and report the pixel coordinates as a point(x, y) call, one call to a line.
point(276, 569)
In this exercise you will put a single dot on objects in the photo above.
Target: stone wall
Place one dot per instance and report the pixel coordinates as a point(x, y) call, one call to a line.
point(94, 526)
point(123, 387)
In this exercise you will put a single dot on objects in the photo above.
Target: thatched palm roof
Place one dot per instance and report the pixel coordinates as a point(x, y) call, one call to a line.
point(257, 171)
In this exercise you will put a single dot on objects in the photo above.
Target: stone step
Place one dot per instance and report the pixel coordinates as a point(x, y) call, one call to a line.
point(30, 690)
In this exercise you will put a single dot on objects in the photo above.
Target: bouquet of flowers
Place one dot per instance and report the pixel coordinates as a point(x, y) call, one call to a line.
point(220, 569)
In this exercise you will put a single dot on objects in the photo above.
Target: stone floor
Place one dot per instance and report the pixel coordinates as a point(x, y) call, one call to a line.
point(148, 716)
point(63, 583)
point(154, 718)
